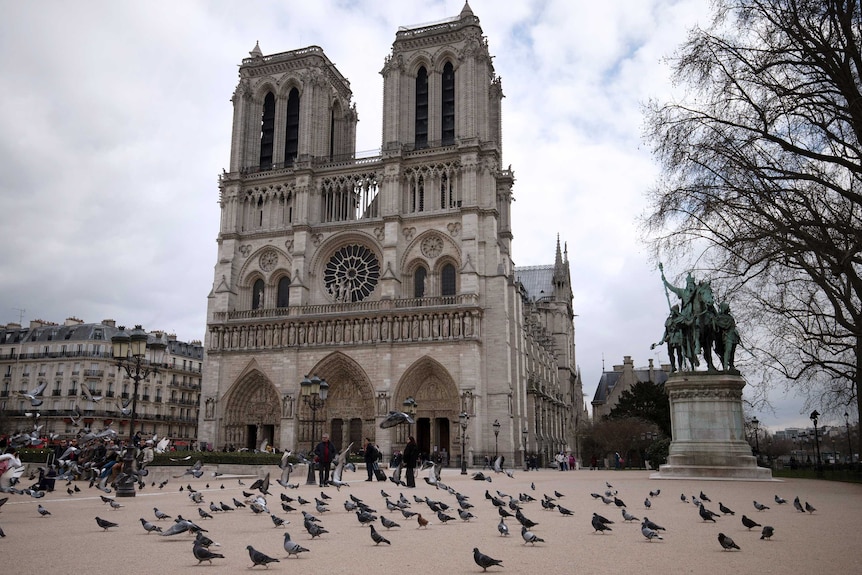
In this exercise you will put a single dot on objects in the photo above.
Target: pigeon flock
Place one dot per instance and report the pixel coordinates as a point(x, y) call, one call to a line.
point(294, 525)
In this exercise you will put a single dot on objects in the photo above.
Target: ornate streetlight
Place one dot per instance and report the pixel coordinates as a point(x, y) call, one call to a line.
point(849, 445)
point(525, 434)
point(814, 416)
point(130, 351)
point(463, 419)
point(756, 425)
point(496, 426)
point(313, 392)
point(410, 407)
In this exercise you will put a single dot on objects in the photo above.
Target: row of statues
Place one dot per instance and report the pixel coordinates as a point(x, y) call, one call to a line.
point(695, 327)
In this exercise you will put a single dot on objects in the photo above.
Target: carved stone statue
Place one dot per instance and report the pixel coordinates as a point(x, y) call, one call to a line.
point(728, 336)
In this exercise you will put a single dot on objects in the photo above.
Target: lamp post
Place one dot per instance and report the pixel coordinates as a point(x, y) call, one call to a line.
point(130, 351)
point(849, 445)
point(524, 434)
point(496, 426)
point(410, 407)
point(463, 419)
point(313, 392)
point(756, 424)
point(814, 416)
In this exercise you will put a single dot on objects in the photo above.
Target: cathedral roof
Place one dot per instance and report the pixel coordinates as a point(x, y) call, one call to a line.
point(538, 281)
point(609, 379)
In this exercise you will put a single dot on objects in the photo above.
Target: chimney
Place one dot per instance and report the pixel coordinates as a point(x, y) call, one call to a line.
point(109, 323)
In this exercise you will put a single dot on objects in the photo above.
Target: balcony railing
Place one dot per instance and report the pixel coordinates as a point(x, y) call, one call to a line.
point(109, 394)
point(56, 392)
point(94, 372)
point(72, 392)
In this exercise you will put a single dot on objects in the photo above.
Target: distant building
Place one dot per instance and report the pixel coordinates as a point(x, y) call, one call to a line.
point(67, 357)
point(621, 378)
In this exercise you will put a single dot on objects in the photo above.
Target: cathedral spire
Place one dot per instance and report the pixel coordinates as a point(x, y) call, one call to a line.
point(558, 260)
point(256, 52)
point(466, 11)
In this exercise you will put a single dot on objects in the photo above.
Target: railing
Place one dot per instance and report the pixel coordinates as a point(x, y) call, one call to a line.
point(56, 392)
point(94, 372)
point(72, 392)
point(109, 394)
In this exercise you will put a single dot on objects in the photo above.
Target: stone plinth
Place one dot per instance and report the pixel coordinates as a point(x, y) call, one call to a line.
point(708, 433)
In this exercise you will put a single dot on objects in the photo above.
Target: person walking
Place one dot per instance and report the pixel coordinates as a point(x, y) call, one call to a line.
point(324, 453)
point(371, 456)
point(411, 456)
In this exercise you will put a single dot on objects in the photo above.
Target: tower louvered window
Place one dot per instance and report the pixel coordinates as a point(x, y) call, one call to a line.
point(267, 131)
point(421, 138)
point(291, 143)
point(448, 105)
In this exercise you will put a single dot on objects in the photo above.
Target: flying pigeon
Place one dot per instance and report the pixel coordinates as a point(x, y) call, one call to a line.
point(485, 561)
point(292, 547)
point(749, 523)
point(286, 468)
point(726, 542)
point(105, 524)
point(89, 394)
point(33, 394)
point(767, 532)
point(202, 553)
point(377, 537)
point(258, 558)
point(394, 418)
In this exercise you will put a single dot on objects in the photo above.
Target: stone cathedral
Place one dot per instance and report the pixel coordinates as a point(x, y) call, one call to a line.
point(389, 277)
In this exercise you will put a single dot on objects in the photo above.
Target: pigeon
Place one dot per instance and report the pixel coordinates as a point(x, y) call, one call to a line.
point(760, 506)
point(628, 516)
point(726, 542)
point(204, 514)
point(292, 547)
point(502, 527)
point(530, 537)
point(703, 497)
point(105, 524)
point(150, 527)
point(314, 529)
point(394, 418)
point(652, 525)
point(809, 508)
point(647, 503)
point(377, 537)
point(780, 500)
point(706, 514)
point(599, 525)
point(767, 532)
point(42, 511)
point(443, 517)
point(683, 498)
point(388, 523)
point(564, 511)
point(202, 553)
point(421, 521)
point(798, 505)
point(278, 521)
point(160, 515)
point(258, 558)
point(655, 493)
point(619, 502)
point(484, 561)
point(749, 523)
point(33, 394)
point(724, 509)
point(2, 533)
point(650, 534)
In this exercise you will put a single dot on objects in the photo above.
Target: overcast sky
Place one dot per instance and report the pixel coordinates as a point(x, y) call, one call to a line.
point(115, 121)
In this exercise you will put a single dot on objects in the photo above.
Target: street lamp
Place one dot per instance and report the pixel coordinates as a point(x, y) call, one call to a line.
point(463, 419)
point(130, 351)
point(756, 424)
point(496, 426)
point(525, 434)
point(313, 392)
point(410, 407)
point(849, 445)
point(814, 416)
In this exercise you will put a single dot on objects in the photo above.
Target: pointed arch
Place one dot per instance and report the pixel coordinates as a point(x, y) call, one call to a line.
point(252, 409)
point(438, 404)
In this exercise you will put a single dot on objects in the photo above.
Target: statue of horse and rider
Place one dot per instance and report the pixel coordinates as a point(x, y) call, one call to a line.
point(696, 328)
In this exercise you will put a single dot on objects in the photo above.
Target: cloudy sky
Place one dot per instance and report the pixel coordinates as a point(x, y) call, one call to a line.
point(115, 122)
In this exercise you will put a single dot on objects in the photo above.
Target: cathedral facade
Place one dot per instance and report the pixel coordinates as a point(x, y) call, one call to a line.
point(389, 277)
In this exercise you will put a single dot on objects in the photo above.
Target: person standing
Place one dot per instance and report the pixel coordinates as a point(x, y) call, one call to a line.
point(411, 456)
point(371, 456)
point(324, 453)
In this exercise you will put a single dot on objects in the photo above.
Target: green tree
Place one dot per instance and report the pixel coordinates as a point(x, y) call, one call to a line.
point(761, 154)
point(647, 401)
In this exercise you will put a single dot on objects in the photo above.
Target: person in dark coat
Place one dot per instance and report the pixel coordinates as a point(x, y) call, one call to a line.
point(325, 453)
point(411, 457)
point(371, 456)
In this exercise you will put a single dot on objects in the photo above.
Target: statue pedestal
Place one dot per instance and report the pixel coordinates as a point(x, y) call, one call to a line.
point(708, 434)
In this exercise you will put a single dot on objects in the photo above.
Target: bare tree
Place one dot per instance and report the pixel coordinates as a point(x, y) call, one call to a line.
point(761, 183)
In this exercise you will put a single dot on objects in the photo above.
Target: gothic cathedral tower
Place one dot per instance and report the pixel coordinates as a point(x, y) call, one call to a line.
point(390, 277)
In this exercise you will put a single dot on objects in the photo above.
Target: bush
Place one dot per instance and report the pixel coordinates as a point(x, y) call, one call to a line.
point(657, 452)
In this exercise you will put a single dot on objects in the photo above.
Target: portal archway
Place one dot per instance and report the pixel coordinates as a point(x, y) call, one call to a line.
point(252, 412)
point(436, 394)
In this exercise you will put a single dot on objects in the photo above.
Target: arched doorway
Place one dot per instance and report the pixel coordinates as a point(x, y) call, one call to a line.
point(438, 404)
point(252, 412)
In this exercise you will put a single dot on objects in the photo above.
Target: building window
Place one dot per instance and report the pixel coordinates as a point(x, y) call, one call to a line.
point(421, 139)
point(283, 295)
point(351, 274)
point(291, 142)
point(257, 295)
point(419, 279)
point(448, 105)
point(447, 280)
point(267, 131)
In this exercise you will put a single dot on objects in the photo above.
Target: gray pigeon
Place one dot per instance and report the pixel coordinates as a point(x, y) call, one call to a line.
point(388, 523)
point(798, 505)
point(530, 537)
point(258, 558)
point(599, 525)
point(628, 516)
point(202, 553)
point(809, 508)
point(377, 537)
point(760, 506)
point(394, 418)
point(292, 547)
point(149, 527)
point(650, 534)
point(726, 542)
point(652, 525)
point(42, 511)
point(160, 515)
point(767, 532)
point(647, 503)
point(502, 527)
point(485, 561)
point(780, 500)
point(278, 521)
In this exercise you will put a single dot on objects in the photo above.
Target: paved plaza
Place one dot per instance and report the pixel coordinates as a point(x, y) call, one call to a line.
point(826, 541)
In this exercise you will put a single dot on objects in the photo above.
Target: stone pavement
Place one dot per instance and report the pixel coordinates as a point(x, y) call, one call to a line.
point(826, 541)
